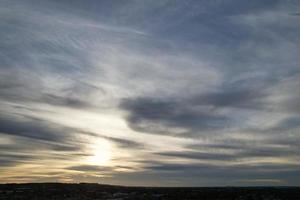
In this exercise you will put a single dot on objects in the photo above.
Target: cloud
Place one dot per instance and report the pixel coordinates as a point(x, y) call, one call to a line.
point(295, 14)
point(201, 112)
point(233, 97)
point(89, 168)
point(33, 128)
point(28, 140)
point(161, 116)
point(230, 106)
point(200, 155)
point(8, 160)
point(126, 143)
point(231, 174)
point(288, 123)
point(246, 153)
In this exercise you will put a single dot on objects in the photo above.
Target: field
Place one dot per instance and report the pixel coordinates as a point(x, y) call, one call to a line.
point(83, 191)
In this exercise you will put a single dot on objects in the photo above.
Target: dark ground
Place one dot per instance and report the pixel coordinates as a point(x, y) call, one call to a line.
point(59, 191)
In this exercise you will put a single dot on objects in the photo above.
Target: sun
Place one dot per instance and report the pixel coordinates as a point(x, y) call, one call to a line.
point(101, 153)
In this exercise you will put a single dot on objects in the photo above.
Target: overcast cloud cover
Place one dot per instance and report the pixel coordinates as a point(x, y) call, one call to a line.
point(172, 93)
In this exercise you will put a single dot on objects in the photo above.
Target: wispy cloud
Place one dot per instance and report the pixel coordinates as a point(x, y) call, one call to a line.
point(175, 90)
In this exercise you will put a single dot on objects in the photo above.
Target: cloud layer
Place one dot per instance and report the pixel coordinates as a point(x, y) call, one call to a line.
point(150, 93)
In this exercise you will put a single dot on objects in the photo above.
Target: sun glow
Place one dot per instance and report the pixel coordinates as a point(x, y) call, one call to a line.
point(101, 153)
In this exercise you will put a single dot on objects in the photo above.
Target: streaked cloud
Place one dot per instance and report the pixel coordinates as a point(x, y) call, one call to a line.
point(144, 92)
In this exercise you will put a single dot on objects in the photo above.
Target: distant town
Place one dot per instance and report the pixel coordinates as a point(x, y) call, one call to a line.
point(88, 191)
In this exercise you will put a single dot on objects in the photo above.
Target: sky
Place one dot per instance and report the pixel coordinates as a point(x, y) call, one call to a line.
point(150, 93)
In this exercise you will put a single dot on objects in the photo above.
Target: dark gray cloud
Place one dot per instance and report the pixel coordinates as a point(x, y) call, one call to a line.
point(226, 107)
point(29, 135)
point(274, 146)
point(295, 14)
point(157, 116)
point(199, 113)
point(204, 111)
point(288, 123)
point(64, 101)
point(241, 154)
point(200, 155)
point(211, 175)
point(231, 173)
point(126, 143)
point(33, 128)
point(7, 160)
point(13, 88)
point(26, 144)
point(235, 97)
point(89, 168)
